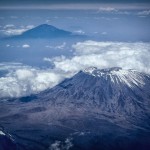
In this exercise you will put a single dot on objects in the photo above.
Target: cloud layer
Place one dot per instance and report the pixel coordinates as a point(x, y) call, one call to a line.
point(19, 80)
point(106, 54)
point(25, 80)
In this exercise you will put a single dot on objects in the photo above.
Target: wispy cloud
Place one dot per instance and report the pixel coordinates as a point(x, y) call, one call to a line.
point(9, 26)
point(79, 32)
point(104, 33)
point(10, 29)
point(13, 17)
point(144, 13)
point(106, 9)
point(61, 46)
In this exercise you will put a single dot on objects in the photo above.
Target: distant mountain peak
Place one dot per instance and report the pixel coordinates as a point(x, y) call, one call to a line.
point(45, 31)
point(46, 27)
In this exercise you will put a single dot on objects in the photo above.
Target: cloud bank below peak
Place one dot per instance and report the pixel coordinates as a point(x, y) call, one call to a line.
point(20, 80)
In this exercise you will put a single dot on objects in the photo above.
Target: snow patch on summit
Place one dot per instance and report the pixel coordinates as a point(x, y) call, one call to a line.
point(90, 69)
point(118, 75)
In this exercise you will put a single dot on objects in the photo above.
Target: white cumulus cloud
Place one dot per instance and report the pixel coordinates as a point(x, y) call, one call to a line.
point(24, 80)
point(25, 46)
point(106, 54)
point(11, 29)
point(59, 145)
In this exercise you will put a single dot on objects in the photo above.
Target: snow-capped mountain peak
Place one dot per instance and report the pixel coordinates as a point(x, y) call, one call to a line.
point(118, 75)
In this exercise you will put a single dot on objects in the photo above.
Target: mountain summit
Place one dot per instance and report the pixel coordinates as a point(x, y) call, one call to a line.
point(45, 31)
point(117, 75)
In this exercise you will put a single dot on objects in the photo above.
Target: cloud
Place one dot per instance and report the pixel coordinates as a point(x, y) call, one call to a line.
point(62, 46)
point(106, 54)
point(25, 46)
point(104, 33)
point(8, 26)
point(10, 29)
point(13, 17)
point(29, 26)
point(144, 13)
point(79, 32)
point(59, 145)
point(117, 11)
point(24, 74)
point(13, 31)
point(107, 9)
point(47, 59)
point(55, 146)
point(7, 45)
point(122, 12)
point(24, 80)
point(47, 21)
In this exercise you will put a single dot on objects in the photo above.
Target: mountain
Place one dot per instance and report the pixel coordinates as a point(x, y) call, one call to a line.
point(111, 90)
point(45, 31)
